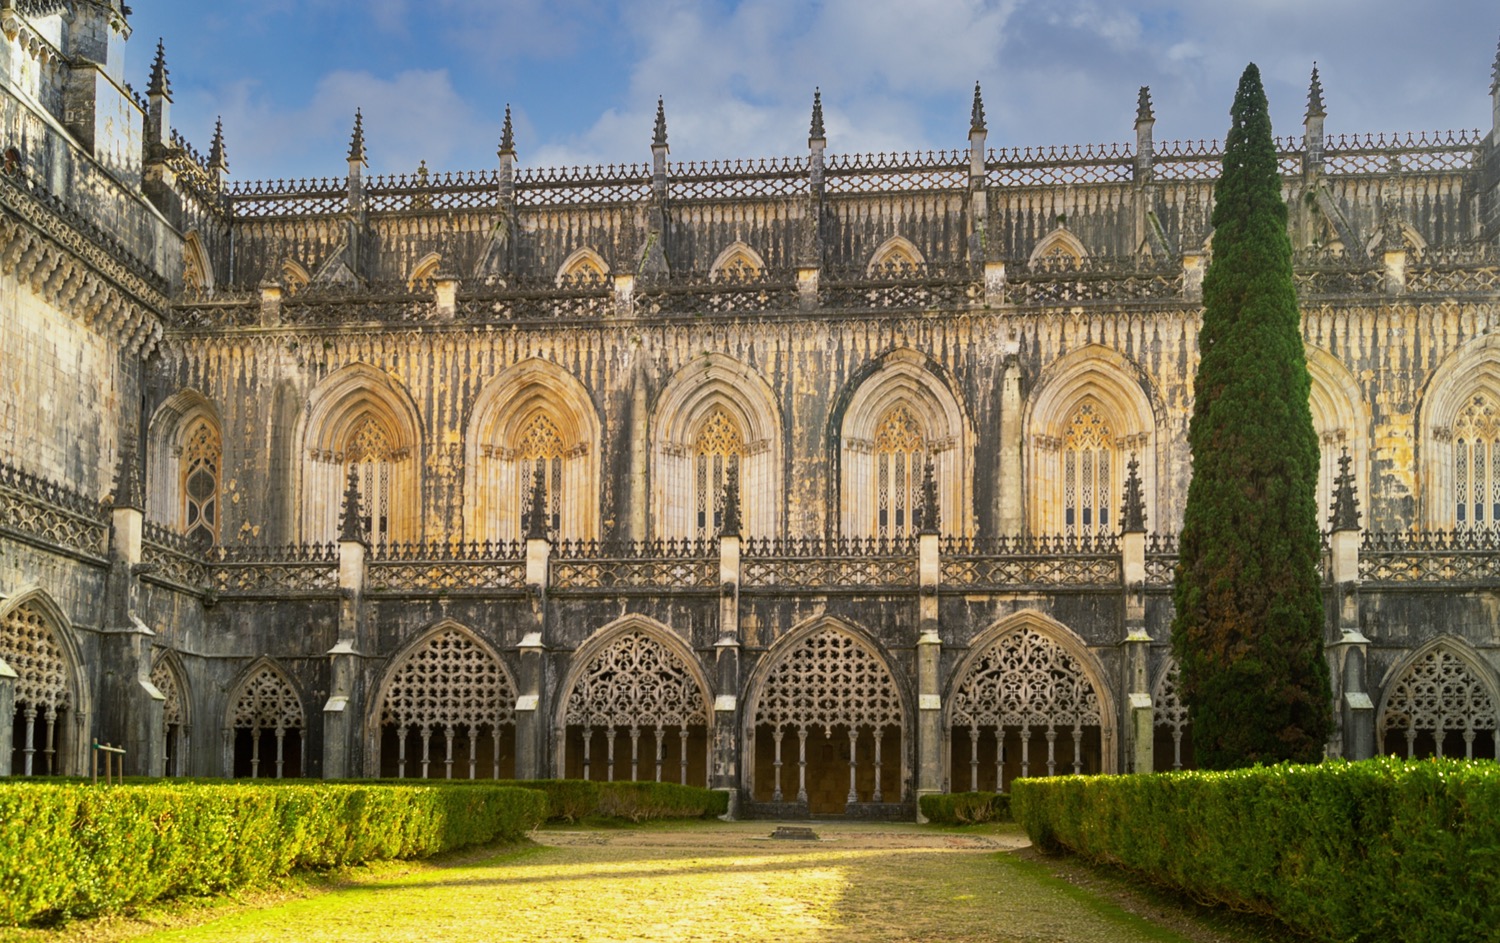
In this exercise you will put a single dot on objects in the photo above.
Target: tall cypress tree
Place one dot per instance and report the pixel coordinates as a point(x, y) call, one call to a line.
point(1248, 632)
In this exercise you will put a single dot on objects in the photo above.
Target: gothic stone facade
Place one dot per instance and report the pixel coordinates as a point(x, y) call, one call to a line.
point(814, 479)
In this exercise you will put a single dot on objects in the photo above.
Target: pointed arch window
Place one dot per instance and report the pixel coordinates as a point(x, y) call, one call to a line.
point(900, 450)
point(719, 447)
point(1089, 467)
point(371, 455)
point(1476, 447)
point(541, 452)
point(202, 453)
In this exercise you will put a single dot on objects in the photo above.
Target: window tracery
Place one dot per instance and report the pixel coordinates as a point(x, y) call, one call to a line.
point(268, 704)
point(1025, 682)
point(1438, 696)
point(201, 454)
point(1171, 713)
point(829, 680)
point(370, 452)
point(1089, 465)
point(900, 450)
point(452, 687)
point(1476, 449)
point(173, 716)
point(541, 450)
point(636, 684)
point(29, 647)
point(720, 446)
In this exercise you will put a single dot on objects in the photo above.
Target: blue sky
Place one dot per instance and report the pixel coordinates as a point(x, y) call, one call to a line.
point(582, 76)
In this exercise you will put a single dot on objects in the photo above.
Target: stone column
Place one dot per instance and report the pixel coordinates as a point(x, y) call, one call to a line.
point(343, 710)
point(727, 746)
point(531, 725)
point(929, 731)
point(1140, 734)
point(1009, 519)
point(1348, 655)
point(7, 716)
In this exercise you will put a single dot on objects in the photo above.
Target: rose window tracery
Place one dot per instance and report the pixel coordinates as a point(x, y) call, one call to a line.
point(1440, 695)
point(636, 684)
point(1025, 682)
point(29, 647)
point(829, 680)
point(451, 687)
point(268, 704)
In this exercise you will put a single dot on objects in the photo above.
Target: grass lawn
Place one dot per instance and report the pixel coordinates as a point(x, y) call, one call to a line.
point(709, 881)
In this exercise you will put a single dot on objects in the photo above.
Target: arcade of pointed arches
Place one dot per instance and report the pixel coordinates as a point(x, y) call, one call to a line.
point(49, 709)
point(1441, 701)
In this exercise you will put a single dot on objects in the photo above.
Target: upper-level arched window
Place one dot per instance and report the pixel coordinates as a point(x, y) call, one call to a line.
point(1090, 470)
point(541, 452)
point(900, 451)
point(1476, 449)
point(718, 448)
point(201, 454)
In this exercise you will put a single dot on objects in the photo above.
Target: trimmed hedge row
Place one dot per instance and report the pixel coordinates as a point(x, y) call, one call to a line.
point(965, 808)
point(70, 850)
point(573, 800)
point(1379, 850)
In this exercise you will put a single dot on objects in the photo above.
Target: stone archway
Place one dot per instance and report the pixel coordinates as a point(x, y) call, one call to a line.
point(827, 726)
point(1441, 704)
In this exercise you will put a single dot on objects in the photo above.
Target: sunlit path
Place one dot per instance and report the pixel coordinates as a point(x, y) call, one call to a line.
point(715, 882)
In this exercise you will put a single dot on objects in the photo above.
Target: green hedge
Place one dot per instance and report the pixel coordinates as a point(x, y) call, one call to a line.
point(72, 850)
point(573, 800)
point(1379, 850)
point(965, 808)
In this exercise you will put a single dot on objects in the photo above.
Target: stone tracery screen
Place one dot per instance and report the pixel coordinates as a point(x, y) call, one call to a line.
point(1023, 684)
point(28, 646)
point(637, 684)
point(900, 450)
point(720, 446)
point(1476, 449)
point(268, 706)
point(541, 450)
point(172, 721)
point(1437, 699)
point(829, 680)
point(1088, 480)
point(1171, 713)
point(452, 688)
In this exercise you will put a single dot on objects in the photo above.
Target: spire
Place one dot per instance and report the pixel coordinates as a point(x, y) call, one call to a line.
point(731, 525)
point(1345, 514)
point(931, 521)
point(351, 523)
point(815, 132)
point(128, 492)
point(1134, 509)
point(507, 135)
point(1495, 72)
point(160, 84)
point(1143, 109)
point(1315, 96)
point(976, 116)
point(660, 140)
point(536, 508)
point(357, 141)
point(217, 160)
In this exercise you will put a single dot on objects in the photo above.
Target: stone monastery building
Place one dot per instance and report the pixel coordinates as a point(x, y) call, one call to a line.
point(831, 479)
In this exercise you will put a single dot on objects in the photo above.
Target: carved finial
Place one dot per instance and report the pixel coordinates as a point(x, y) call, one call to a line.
point(731, 524)
point(1143, 109)
point(932, 520)
point(1315, 96)
point(660, 139)
point(128, 491)
point(536, 509)
point(217, 158)
point(507, 135)
point(160, 85)
point(1345, 514)
point(976, 116)
point(1134, 508)
point(351, 522)
point(357, 141)
point(1495, 72)
point(815, 132)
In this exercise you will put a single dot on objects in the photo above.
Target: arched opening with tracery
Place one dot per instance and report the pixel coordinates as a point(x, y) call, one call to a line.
point(174, 725)
point(185, 456)
point(827, 724)
point(716, 415)
point(1058, 249)
point(900, 415)
point(1441, 704)
point(448, 710)
point(359, 419)
point(896, 255)
point(43, 702)
point(583, 265)
point(1090, 416)
point(737, 262)
point(533, 417)
point(636, 708)
point(1476, 452)
point(1341, 421)
point(266, 726)
point(1459, 439)
point(1172, 747)
point(1025, 702)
